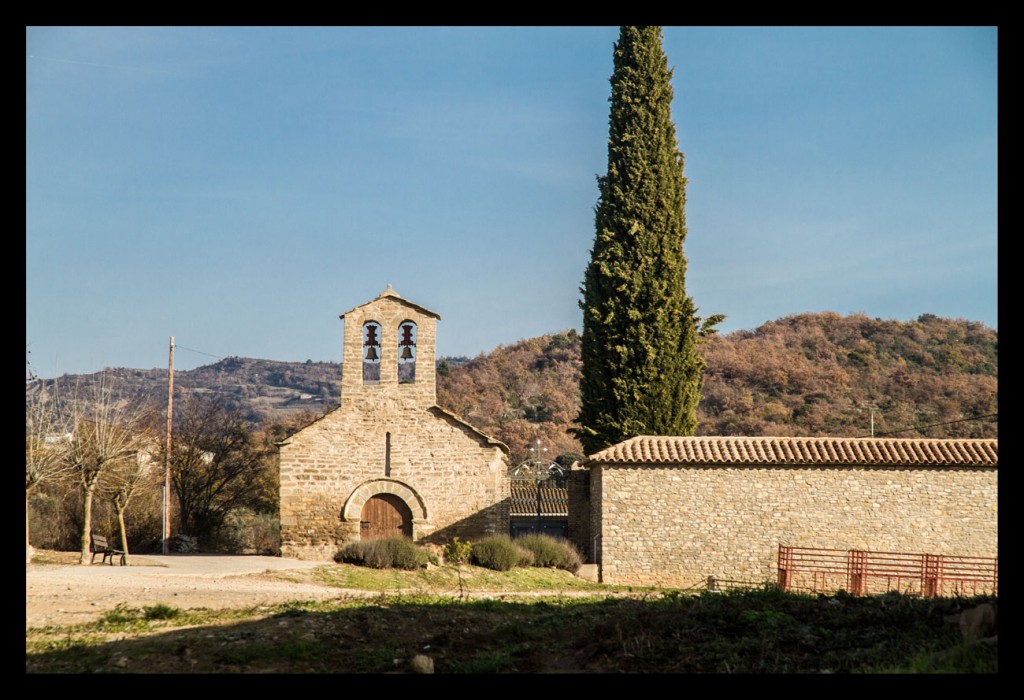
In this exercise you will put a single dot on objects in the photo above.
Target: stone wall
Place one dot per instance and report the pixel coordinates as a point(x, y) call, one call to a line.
point(390, 311)
point(578, 485)
point(677, 525)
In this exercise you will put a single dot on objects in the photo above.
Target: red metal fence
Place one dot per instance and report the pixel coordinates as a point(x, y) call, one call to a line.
point(861, 572)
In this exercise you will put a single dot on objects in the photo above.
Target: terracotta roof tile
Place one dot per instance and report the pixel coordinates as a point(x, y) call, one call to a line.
point(647, 449)
point(523, 499)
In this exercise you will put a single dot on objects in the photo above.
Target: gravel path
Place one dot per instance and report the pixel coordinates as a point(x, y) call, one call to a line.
point(69, 594)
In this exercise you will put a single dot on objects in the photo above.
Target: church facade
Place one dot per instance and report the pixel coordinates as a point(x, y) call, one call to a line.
point(389, 461)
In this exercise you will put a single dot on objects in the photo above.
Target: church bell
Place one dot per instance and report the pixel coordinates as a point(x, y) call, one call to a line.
point(371, 353)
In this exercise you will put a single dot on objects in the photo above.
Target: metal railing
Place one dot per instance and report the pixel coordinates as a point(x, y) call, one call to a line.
point(861, 572)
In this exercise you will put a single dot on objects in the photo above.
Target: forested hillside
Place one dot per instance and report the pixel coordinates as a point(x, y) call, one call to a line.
point(821, 374)
point(807, 374)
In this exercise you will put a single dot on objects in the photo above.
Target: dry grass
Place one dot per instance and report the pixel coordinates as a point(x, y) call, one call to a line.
point(564, 628)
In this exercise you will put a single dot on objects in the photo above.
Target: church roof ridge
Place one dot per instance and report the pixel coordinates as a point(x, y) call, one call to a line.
point(390, 293)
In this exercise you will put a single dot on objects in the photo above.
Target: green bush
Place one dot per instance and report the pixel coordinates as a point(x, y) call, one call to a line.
point(456, 552)
point(500, 553)
point(551, 551)
point(390, 553)
point(160, 612)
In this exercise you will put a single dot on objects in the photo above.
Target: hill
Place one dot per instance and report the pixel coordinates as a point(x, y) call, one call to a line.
point(806, 374)
point(825, 374)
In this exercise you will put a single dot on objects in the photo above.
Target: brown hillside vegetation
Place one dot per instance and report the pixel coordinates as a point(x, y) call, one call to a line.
point(820, 374)
point(521, 393)
point(802, 375)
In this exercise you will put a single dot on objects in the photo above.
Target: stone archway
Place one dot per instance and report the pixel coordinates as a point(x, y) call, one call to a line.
point(385, 515)
point(391, 503)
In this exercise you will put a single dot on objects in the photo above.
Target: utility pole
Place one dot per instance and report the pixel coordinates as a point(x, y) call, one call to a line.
point(872, 407)
point(167, 461)
point(540, 474)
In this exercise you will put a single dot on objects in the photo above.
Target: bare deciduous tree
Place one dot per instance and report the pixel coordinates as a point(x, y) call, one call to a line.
point(219, 463)
point(105, 432)
point(127, 477)
point(46, 444)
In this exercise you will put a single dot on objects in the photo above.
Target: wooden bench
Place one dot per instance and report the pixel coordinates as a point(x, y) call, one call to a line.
point(99, 545)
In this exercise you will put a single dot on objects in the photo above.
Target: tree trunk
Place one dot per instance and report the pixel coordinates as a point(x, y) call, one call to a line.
point(120, 523)
point(28, 545)
point(87, 524)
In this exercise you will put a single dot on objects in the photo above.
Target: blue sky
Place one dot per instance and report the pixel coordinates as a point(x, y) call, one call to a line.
point(239, 188)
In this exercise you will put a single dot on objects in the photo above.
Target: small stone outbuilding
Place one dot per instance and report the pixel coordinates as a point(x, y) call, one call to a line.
point(388, 460)
point(673, 511)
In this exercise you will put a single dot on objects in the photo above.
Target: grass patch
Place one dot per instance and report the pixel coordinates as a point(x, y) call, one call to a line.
point(965, 658)
point(743, 632)
point(120, 616)
point(527, 620)
point(292, 650)
point(445, 580)
point(160, 612)
point(499, 661)
point(124, 618)
point(50, 557)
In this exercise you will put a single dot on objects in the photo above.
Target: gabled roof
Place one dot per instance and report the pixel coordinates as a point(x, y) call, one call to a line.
point(392, 294)
point(806, 451)
point(487, 438)
point(435, 408)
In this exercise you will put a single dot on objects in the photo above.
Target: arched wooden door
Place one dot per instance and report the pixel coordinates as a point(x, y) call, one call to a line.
point(385, 515)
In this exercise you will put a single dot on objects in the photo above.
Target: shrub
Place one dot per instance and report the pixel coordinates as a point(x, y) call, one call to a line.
point(456, 552)
point(499, 553)
point(390, 553)
point(246, 532)
point(551, 551)
point(160, 612)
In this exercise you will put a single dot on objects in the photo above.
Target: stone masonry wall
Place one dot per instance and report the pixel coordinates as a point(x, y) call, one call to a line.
point(460, 482)
point(390, 313)
point(675, 526)
point(451, 476)
point(578, 486)
point(596, 511)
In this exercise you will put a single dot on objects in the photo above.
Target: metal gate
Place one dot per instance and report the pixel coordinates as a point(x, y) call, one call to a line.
point(539, 499)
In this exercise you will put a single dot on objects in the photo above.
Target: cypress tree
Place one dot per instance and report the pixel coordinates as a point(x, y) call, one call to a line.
point(642, 373)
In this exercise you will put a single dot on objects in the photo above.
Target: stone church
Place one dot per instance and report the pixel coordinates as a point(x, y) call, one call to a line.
point(389, 461)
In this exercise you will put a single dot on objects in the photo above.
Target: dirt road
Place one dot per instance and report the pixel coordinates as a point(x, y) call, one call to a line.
point(68, 594)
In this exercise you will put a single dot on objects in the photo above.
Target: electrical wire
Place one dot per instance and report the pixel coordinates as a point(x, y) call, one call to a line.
point(933, 425)
point(182, 347)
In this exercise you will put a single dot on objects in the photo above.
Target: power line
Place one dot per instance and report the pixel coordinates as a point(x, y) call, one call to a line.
point(182, 347)
point(933, 425)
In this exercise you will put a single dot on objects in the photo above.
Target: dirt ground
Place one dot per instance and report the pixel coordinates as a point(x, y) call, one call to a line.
point(67, 593)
